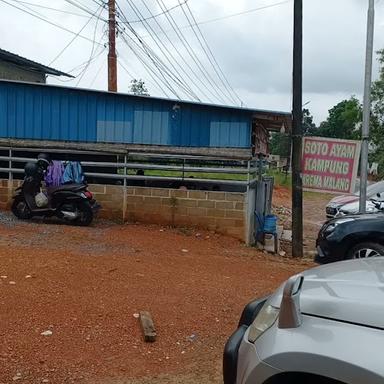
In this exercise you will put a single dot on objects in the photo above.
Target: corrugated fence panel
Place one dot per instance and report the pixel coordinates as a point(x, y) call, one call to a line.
point(3, 114)
point(11, 113)
point(20, 114)
point(29, 111)
point(36, 115)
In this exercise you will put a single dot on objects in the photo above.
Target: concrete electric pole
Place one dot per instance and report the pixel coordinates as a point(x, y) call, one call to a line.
point(366, 107)
point(297, 132)
point(112, 60)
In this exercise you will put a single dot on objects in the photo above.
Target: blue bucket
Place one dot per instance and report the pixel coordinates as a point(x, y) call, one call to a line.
point(270, 224)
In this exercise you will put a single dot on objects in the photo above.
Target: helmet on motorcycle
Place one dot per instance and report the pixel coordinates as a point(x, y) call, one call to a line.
point(30, 169)
point(43, 160)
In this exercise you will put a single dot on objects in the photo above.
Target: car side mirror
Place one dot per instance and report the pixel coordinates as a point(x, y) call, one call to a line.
point(290, 313)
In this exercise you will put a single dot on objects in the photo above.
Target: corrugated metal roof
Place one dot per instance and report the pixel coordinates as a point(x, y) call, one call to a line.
point(29, 64)
point(32, 111)
point(271, 120)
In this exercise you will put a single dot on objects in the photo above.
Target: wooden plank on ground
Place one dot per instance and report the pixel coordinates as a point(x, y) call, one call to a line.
point(147, 326)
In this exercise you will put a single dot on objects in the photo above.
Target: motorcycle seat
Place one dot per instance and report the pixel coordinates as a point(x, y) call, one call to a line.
point(69, 187)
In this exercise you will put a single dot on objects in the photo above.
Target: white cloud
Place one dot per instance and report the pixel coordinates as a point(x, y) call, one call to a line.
point(254, 50)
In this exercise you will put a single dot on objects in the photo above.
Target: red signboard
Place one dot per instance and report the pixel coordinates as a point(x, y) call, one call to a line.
point(330, 165)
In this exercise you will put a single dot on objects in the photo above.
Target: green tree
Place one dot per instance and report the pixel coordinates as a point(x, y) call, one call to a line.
point(138, 87)
point(377, 117)
point(344, 120)
point(309, 127)
point(280, 144)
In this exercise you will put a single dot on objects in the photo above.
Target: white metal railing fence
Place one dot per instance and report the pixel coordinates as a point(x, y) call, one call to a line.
point(179, 167)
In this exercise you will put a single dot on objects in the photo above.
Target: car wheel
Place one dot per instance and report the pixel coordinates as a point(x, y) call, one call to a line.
point(363, 250)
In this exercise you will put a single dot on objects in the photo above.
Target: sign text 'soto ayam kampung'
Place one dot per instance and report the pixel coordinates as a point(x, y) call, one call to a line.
point(330, 165)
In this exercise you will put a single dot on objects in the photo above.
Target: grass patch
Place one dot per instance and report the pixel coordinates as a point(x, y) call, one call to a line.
point(195, 175)
point(280, 178)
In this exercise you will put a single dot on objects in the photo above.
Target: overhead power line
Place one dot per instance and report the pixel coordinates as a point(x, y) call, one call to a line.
point(49, 22)
point(84, 8)
point(93, 47)
point(150, 61)
point(240, 13)
point(155, 83)
point(168, 54)
point(143, 51)
point(81, 67)
point(74, 37)
point(183, 59)
point(165, 73)
point(99, 2)
point(248, 11)
point(220, 95)
point(97, 73)
point(158, 14)
point(211, 57)
point(50, 8)
point(83, 64)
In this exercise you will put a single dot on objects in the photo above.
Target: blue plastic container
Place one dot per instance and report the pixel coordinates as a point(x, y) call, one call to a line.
point(270, 224)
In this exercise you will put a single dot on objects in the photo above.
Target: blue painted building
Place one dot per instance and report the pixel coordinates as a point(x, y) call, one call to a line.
point(45, 112)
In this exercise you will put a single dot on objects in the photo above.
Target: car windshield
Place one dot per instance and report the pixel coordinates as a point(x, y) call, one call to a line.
point(374, 189)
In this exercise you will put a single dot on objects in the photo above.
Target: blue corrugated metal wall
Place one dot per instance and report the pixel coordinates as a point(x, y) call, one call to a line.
point(41, 112)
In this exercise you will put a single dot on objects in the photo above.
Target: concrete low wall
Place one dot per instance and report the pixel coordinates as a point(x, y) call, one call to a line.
point(7, 189)
point(223, 212)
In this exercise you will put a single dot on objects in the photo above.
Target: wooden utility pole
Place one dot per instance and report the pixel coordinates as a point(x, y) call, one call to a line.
point(297, 131)
point(112, 60)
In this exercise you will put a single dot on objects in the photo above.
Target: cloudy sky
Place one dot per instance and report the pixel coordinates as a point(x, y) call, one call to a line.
point(253, 50)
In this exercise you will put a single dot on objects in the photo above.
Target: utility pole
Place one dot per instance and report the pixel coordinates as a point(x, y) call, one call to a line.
point(366, 107)
point(112, 60)
point(297, 131)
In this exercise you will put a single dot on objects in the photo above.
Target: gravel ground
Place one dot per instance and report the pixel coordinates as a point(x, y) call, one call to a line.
point(84, 285)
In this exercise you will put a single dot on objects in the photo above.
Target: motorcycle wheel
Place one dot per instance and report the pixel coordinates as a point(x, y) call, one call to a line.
point(85, 214)
point(20, 208)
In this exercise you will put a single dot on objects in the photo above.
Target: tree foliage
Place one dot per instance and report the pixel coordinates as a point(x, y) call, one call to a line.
point(377, 116)
point(138, 87)
point(280, 143)
point(343, 121)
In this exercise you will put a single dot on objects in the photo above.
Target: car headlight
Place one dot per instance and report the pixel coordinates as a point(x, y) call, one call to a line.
point(331, 227)
point(263, 321)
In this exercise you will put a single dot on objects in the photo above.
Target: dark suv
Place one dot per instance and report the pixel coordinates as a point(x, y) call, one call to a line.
point(351, 237)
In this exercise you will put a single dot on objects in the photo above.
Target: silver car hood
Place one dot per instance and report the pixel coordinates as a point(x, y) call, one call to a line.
point(355, 206)
point(350, 291)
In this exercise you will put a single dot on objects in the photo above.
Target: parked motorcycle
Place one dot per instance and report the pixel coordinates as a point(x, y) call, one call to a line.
point(71, 202)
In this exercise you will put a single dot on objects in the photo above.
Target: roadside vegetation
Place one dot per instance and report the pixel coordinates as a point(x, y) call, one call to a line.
point(344, 122)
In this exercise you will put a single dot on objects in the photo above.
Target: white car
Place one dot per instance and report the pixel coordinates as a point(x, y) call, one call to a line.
point(323, 326)
point(349, 204)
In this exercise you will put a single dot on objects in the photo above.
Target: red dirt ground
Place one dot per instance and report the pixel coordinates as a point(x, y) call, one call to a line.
point(85, 285)
point(313, 213)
